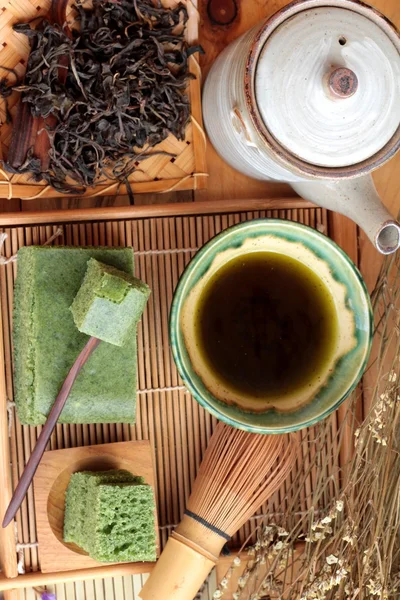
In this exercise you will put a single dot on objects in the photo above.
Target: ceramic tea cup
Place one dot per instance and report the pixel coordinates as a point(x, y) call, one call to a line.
point(352, 310)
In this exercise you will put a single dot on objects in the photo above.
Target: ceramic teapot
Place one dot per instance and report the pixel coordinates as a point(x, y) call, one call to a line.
point(312, 97)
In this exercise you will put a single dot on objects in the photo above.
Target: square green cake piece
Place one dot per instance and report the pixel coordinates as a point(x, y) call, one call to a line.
point(109, 303)
point(111, 515)
point(47, 341)
point(77, 507)
point(123, 523)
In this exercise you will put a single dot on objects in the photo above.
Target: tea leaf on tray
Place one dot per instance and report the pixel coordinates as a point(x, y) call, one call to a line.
point(107, 89)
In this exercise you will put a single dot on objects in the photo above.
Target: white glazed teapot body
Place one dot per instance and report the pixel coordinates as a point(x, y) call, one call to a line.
point(311, 97)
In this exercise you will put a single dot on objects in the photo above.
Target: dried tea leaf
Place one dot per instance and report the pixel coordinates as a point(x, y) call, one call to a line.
point(107, 91)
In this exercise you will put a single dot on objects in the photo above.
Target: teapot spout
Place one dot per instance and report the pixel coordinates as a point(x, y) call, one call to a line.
point(358, 200)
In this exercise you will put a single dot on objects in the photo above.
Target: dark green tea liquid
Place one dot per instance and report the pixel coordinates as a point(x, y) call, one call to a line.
point(267, 325)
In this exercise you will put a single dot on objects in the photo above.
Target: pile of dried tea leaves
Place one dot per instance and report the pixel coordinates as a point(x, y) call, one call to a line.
point(106, 90)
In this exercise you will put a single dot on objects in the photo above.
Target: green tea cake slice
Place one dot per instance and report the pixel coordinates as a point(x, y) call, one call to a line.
point(77, 500)
point(122, 522)
point(47, 342)
point(74, 507)
point(93, 480)
point(109, 303)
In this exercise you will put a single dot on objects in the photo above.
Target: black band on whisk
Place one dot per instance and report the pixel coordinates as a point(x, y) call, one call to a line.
point(209, 526)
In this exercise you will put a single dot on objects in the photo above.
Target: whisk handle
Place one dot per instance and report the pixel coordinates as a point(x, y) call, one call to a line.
point(179, 573)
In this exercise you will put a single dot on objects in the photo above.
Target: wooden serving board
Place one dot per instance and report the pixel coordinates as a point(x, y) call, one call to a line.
point(51, 482)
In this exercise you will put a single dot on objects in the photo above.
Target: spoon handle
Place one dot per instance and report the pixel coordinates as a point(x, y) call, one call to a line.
point(33, 462)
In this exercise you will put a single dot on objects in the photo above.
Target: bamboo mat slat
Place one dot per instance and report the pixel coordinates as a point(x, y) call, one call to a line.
point(178, 428)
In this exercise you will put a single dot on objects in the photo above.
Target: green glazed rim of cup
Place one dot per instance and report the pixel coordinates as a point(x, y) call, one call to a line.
point(324, 248)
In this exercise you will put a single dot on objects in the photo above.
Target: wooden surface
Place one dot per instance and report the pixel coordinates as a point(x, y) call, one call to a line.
point(51, 482)
point(11, 595)
point(225, 184)
point(113, 213)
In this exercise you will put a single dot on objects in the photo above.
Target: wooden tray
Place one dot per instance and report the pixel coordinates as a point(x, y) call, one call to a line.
point(51, 482)
point(177, 427)
point(159, 174)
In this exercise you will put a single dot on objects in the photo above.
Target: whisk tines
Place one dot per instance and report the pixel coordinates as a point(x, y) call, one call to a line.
point(239, 472)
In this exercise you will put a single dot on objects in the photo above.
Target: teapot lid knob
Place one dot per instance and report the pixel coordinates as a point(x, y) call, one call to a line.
point(343, 82)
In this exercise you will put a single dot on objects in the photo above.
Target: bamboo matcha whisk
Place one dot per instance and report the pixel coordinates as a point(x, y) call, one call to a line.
point(239, 472)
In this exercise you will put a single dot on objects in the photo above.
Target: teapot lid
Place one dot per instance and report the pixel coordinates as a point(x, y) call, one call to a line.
point(327, 86)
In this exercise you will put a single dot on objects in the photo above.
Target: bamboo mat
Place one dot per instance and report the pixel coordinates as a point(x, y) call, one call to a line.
point(111, 588)
point(177, 426)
